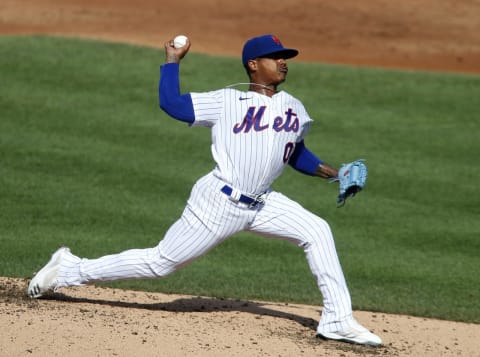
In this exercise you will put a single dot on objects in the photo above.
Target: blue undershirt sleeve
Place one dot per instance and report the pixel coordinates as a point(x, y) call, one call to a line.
point(171, 101)
point(304, 160)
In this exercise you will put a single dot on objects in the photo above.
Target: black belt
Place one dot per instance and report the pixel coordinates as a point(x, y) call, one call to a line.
point(242, 198)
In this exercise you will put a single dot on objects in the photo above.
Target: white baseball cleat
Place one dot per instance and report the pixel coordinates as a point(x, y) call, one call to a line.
point(46, 279)
point(355, 333)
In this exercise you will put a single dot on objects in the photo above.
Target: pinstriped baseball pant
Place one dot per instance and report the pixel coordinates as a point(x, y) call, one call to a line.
point(209, 218)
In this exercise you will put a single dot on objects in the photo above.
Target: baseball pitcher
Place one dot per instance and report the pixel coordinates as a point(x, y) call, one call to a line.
point(255, 135)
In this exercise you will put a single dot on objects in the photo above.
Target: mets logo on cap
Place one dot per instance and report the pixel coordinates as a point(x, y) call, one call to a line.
point(276, 40)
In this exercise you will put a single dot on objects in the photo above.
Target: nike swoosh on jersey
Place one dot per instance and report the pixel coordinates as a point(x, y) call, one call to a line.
point(244, 98)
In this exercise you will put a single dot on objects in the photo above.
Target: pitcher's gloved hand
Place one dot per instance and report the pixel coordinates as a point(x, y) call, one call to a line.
point(352, 178)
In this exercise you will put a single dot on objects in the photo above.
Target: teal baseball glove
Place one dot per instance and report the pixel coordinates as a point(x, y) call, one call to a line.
point(352, 178)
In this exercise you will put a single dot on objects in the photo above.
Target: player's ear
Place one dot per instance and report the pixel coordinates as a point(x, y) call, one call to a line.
point(252, 65)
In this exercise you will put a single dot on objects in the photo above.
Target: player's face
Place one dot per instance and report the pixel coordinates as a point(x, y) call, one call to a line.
point(272, 69)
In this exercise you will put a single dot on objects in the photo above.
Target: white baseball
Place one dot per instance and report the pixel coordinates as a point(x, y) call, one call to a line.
point(179, 41)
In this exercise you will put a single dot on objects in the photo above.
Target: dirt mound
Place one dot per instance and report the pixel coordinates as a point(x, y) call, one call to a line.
point(96, 321)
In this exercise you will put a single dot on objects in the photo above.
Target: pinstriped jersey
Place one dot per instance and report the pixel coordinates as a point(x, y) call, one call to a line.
point(253, 135)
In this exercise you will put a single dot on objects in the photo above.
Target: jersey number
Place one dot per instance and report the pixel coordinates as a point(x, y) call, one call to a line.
point(288, 152)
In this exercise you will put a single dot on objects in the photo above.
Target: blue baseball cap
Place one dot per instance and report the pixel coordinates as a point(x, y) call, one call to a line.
point(263, 46)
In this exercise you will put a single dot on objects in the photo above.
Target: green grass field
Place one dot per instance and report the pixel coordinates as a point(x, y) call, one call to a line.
point(88, 160)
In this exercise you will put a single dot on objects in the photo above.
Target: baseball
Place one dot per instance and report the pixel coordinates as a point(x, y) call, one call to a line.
point(179, 41)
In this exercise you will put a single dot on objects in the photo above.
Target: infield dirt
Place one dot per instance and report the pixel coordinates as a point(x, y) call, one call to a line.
point(442, 35)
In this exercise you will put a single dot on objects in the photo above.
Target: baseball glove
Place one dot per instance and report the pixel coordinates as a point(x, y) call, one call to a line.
point(352, 178)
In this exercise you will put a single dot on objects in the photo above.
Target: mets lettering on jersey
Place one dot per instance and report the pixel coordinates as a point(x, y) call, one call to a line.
point(252, 139)
point(253, 119)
